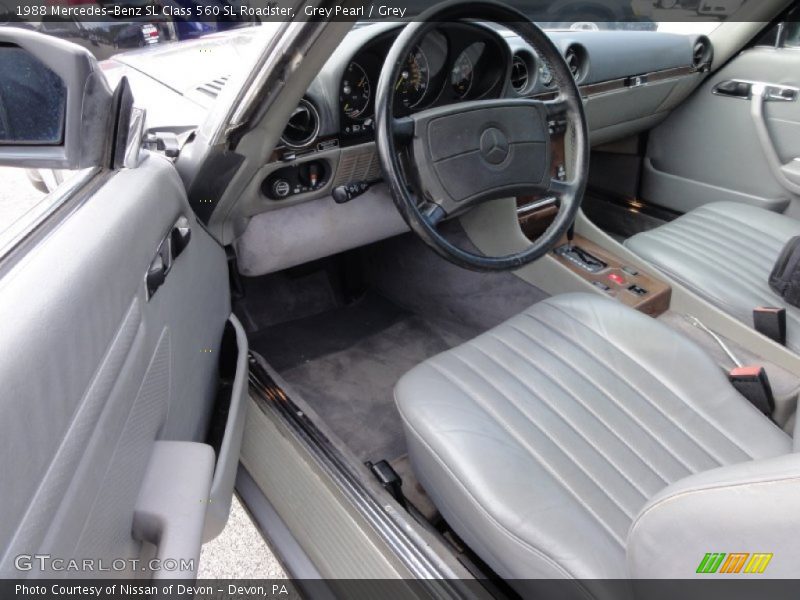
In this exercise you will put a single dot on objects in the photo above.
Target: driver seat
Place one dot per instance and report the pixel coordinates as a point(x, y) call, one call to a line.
point(581, 439)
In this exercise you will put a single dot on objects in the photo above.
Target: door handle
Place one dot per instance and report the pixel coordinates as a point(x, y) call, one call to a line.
point(733, 89)
point(156, 275)
point(170, 248)
point(743, 90)
point(788, 175)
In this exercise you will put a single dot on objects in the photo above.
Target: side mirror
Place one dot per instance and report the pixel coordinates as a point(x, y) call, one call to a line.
point(56, 109)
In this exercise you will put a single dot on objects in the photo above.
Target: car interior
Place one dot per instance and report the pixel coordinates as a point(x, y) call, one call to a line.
point(467, 298)
point(566, 438)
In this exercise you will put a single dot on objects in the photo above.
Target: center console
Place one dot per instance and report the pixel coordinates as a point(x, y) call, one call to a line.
point(630, 285)
point(599, 267)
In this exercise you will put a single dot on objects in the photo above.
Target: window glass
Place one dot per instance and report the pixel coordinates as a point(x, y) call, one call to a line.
point(17, 196)
point(27, 197)
point(791, 34)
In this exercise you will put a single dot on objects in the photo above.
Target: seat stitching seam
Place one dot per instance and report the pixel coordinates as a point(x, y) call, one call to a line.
point(680, 248)
point(657, 379)
point(714, 487)
point(762, 247)
point(586, 407)
point(694, 287)
point(755, 265)
point(533, 453)
point(748, 225)
point(507, 532)
point(700, 228)
point(552, 409)
point(506, 426)
point(708, 255)
point(723, 217)
point(677, 427)
point(713, 256)
point(732, 234)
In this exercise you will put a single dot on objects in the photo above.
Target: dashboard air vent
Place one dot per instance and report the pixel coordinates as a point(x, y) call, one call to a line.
point(214, 87)
point(303, 126)
point(574, 59)
point(520, 75)
point(702, 53)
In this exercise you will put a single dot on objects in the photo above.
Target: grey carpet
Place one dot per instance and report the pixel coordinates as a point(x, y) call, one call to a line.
point(409, 273)
point(346, 362)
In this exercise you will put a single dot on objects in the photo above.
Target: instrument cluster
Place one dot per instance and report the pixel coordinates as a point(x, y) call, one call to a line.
point(453, 63)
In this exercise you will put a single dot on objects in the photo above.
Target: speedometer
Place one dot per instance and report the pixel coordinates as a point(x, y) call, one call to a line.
point(412, 84)
point(356, 92)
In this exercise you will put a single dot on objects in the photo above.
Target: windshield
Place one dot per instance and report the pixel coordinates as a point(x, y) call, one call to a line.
point(197, 48)
point(676, 16)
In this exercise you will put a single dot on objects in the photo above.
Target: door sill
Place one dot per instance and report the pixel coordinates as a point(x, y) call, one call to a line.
point(392, 524)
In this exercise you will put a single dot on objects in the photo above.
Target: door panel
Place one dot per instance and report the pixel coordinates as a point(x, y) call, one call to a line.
point(708, 149)
point(94, 373)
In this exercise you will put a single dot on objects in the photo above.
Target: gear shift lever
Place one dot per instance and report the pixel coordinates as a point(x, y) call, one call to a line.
point(578, 255)
point(571, 234)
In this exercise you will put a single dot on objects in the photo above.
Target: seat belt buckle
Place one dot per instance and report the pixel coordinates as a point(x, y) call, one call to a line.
point(753, 384)
point(389, 480)
point(771, 322)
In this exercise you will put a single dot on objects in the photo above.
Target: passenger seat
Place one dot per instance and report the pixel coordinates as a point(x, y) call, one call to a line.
point(725, 252)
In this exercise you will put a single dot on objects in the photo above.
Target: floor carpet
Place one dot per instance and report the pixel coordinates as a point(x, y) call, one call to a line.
point(345, 363)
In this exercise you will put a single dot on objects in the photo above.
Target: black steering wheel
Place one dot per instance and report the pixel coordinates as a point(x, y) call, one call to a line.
point(465, 154)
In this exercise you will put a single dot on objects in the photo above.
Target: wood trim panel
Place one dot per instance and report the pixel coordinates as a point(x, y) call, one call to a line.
point(659, 294)
point(671, 73)
point(623, 83)
point(535, 223)
point(634, 81)
point(604, 87)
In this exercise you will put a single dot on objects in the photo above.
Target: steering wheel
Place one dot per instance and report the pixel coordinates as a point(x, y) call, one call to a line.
point(465, 154)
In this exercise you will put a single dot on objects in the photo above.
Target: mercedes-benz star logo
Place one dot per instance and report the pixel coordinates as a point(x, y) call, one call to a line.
point(494, 146)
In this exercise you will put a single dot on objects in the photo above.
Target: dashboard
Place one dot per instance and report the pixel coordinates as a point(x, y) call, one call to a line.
point(299, 205)
point(452, 63)
point(630, 81)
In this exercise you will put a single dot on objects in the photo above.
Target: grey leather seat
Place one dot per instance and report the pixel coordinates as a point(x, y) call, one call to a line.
point(725, 252)
point(583, 439)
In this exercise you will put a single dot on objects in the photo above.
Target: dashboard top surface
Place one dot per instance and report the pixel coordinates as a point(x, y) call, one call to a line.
point(465, 61)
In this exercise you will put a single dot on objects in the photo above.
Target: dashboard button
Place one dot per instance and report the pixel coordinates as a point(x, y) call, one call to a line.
point(602, 286)
point(631, 271)
point(617, 278)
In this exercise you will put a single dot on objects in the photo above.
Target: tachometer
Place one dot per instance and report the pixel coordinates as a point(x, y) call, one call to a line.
point(356, 92)
point(412, 84)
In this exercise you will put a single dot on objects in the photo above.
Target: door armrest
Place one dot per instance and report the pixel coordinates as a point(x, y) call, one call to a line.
point(171, 508)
